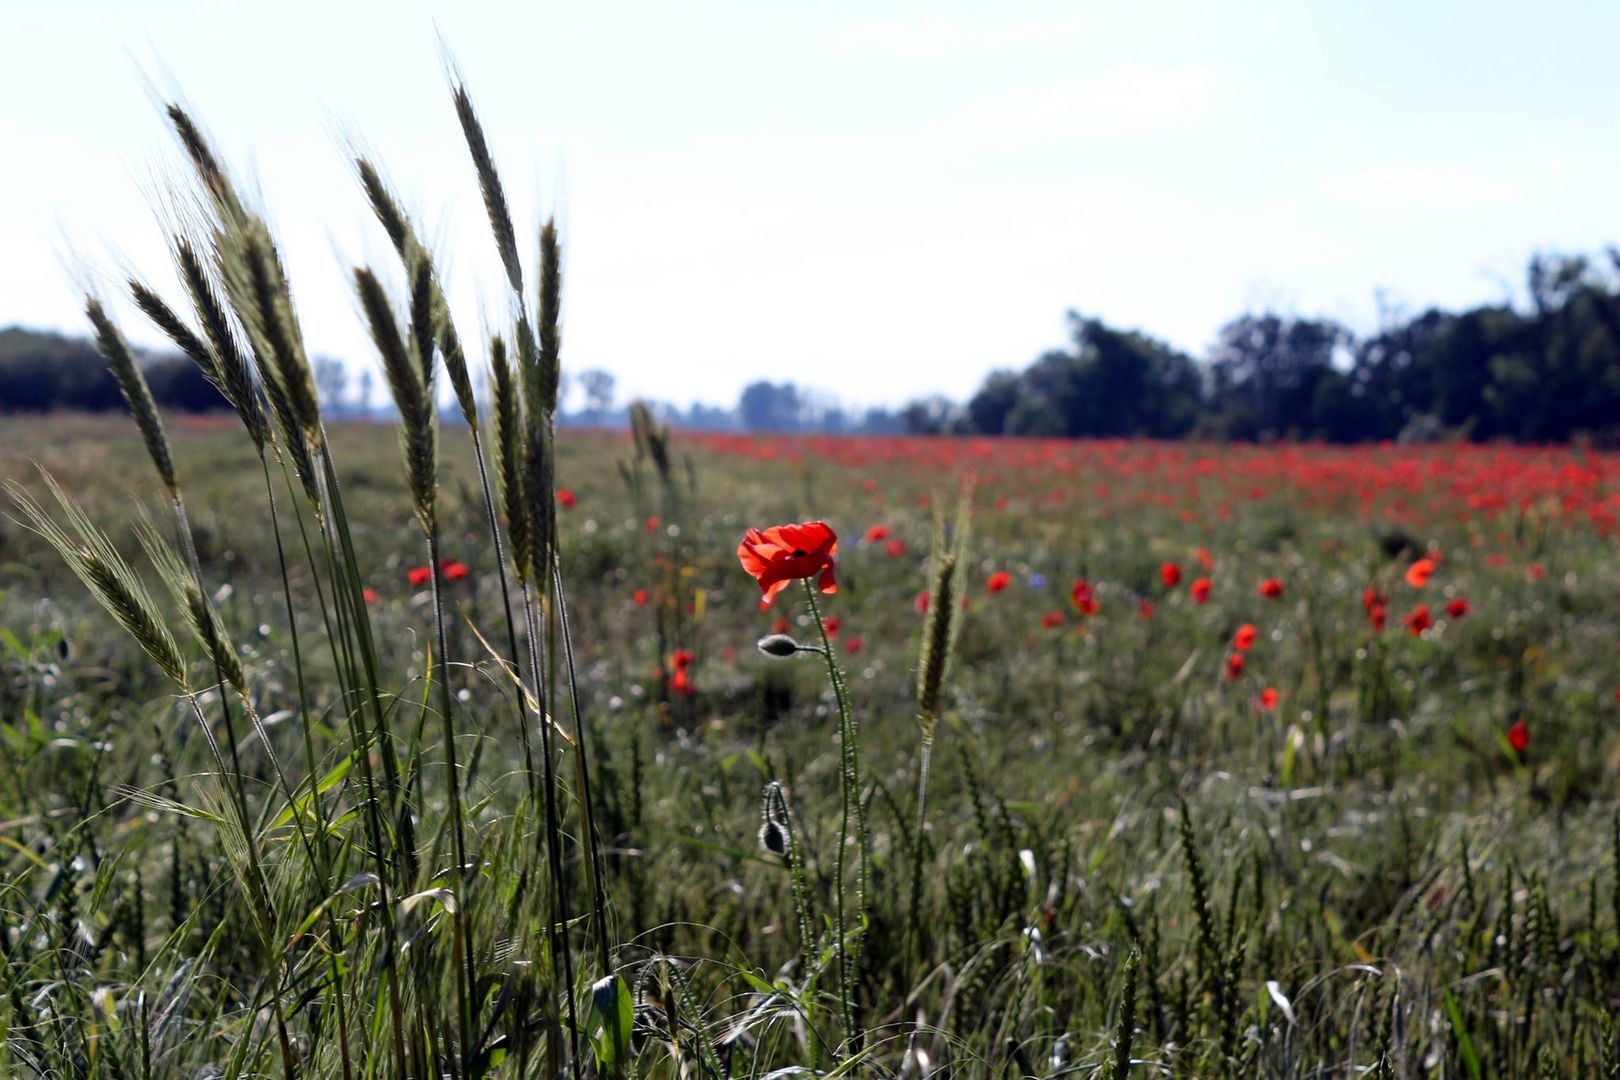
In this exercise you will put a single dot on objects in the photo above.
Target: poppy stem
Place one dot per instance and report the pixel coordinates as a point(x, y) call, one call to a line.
point(849, 751)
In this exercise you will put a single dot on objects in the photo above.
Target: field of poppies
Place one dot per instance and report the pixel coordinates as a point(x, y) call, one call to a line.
point(1013, 759)
point(465, 747)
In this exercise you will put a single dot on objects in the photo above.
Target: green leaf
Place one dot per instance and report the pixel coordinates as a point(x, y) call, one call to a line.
point(1465, 1044)
point(612, 1016)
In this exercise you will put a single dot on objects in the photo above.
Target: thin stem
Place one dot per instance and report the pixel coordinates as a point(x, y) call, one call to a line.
point(849, 959)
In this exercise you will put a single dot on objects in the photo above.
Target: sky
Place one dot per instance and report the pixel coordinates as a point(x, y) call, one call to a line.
point(880, 201)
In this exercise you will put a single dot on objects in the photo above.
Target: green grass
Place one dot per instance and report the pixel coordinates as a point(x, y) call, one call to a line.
point(1053, 846)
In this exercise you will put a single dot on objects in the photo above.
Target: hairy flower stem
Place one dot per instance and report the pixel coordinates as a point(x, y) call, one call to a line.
point(850, 799)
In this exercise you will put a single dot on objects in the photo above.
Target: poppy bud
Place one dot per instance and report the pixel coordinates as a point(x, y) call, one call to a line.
point(773, 838)
point(778, 645)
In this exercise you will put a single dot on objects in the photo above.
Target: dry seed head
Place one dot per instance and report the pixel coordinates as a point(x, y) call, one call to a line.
point(510, 456)
point(489, 183)
point(550, 314)
point(202, 618)
point(94, 560)
point(235, 379)
point(417, 426)
point(174, 328)
point(110, 343)
point(936, 642)
point(383, 204)
point(258, 290)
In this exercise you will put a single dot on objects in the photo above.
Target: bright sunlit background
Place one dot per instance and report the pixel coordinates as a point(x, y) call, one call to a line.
point(876, 201)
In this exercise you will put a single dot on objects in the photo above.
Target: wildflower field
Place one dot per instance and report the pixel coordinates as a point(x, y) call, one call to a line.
point(448, 750)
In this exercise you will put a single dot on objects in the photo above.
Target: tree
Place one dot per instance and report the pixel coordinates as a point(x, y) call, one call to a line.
point(599, 387)
point(766, 406)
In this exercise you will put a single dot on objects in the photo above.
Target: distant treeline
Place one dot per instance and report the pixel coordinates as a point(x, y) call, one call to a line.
point(1548, 373)
point(42, 371)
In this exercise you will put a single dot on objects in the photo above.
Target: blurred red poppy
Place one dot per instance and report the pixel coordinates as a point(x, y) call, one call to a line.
point(1457, 608)
point(419, 575)
point(681, 683)
point(456, 571)
point(1418, 620)
point(369, 595)
point(877, 533)
point(895, 548)
point(1052, 620)
point(566, 498)
point(1170, 574)
point(853, 645)
point(921, 603)
point(786, 553)
point(1268, 698)
point(1205, 559)
point(1200, 590)
point(833, 625)
point(1271, 588)
point(1144, 609)
point(1418, 574)
point(681, 658)
point(1378, 614)
point(1234, 666)
point(652, 524)
point(640, 596)
point(1243, 640)
point(1084, 597)
point(998, 581)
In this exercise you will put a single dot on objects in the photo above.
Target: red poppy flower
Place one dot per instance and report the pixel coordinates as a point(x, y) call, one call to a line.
point(921, 603)
point(681, 683)
point(566, 498)
point(786, 553)
point(833, 625)
point(853, 645)
point(419, 575)
point(1144, 608)
point(1234, 666)
point(1200, 590)
point(1418, 574)
point(1271, 588)
point(1457, 608)
point(456, 571)
point(895, 548)
point(1243, 640)
point(640, 596)
point(1205, 559)
point(1170, 574)
point(1052, 620)
point(1371, 598)
point(1268, 698)
point(1518, 737)
point(1378, 614)
point(998, 581)
point(1418, 620)
point(877, 533)
point(652, 524)
point(1084, 597)
point(1537, 571)
point(681, 658)
point(369, 595)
